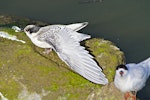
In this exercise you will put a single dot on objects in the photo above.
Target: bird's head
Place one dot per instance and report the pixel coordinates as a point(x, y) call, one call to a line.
point(31, 30)
point(121, 71)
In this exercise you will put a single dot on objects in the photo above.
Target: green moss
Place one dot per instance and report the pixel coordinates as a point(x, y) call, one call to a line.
point(54, 87)
point(69, 96)
point(9, 88)
point(25, 50)
point(46, 70)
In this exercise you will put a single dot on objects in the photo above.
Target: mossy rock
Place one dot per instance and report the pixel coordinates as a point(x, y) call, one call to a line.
point(106, 54)
point(108, 92)
point(26, 72)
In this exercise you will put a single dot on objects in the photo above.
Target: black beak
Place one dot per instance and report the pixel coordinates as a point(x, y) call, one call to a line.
point(121, 73)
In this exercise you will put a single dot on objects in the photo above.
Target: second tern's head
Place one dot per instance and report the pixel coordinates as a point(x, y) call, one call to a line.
point(121, 70)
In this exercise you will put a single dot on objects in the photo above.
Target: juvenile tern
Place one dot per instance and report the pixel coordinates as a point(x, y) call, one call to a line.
point(132, 77)
point(65, 41)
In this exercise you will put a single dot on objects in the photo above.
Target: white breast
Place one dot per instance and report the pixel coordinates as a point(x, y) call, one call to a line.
point(41, 44)
point(125, 85)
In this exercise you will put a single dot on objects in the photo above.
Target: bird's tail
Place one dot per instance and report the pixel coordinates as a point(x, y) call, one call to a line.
point(147, 63)
point(77, 26)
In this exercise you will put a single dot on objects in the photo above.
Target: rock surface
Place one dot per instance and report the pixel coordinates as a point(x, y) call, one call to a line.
point(108, 92)
point(28, 74)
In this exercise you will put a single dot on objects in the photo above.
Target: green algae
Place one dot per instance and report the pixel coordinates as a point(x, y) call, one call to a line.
point(9, 88)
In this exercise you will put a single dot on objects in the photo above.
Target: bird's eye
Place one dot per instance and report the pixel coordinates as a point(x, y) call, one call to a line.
point(29, 30)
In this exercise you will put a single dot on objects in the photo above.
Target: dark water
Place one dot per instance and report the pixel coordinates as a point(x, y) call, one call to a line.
point(124, 22)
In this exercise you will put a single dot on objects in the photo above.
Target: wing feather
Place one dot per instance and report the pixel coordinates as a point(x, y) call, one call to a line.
point(76, 57)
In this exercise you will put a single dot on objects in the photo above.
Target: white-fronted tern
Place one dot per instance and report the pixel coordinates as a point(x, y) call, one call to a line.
point(132, 77)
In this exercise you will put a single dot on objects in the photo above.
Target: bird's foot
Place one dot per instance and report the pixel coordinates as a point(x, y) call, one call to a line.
point(126, 96)
point(133, 97)
point(129, 96)
point(47, 50)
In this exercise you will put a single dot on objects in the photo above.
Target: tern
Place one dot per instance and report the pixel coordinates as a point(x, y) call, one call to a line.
point(132, 77)
point(65, 41)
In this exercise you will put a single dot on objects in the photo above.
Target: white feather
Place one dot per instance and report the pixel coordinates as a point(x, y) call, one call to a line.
point(135, 77)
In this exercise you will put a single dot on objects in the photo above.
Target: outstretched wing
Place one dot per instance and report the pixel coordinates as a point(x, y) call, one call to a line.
point(75, 56)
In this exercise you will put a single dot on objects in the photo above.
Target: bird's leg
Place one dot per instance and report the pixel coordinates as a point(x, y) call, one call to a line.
point(130, 96)
point(133, 95)
point(127, 94)
point(47, 50)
